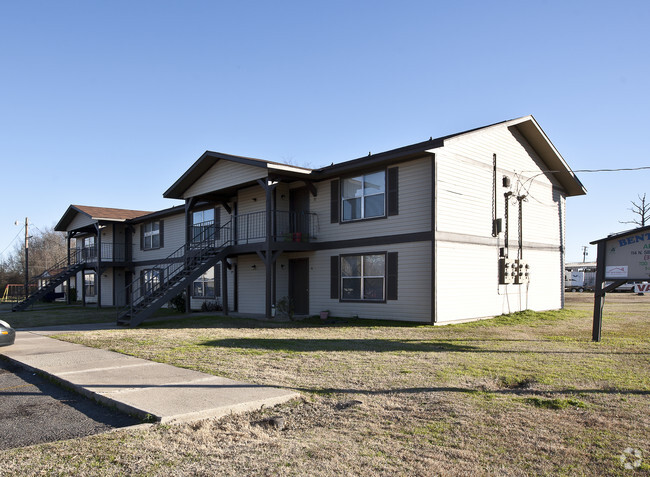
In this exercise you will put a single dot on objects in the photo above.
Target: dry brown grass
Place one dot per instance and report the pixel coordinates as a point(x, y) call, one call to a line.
point(521, 395)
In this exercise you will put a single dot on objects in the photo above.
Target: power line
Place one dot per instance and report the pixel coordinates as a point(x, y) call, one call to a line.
point(13, 240)
point(612, 170)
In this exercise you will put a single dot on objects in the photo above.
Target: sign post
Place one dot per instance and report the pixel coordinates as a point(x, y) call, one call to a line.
point(621, 258)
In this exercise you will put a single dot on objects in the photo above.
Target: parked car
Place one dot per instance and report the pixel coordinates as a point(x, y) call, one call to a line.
point(7, 334)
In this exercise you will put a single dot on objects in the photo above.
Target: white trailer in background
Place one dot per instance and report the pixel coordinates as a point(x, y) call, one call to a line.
point(579, 277)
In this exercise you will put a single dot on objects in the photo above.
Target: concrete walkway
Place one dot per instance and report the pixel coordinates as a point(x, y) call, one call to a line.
point(159, 391)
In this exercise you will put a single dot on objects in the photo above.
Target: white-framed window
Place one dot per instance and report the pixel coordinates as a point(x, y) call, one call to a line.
point(364, 197)
point(89, 284)
point(151, 280)
point(151, 235)
point(203, 287)
point(363, 277)
point(202, 225)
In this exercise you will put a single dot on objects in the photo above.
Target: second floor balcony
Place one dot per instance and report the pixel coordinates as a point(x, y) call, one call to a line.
point(285, 226)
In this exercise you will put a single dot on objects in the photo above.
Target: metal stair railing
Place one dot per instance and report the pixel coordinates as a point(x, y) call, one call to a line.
point(206, 242)
point(49, 280)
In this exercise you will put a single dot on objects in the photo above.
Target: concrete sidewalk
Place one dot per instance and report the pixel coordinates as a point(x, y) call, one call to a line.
point(137, 386)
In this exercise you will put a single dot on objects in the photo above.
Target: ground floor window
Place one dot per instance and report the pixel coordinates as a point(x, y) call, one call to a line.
point(363, 277)
point(89, 284)
point(208, 285)
point(151, 280)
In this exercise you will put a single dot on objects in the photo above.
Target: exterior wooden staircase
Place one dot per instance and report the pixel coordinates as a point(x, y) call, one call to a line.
point(173, 274)
point(50, 279)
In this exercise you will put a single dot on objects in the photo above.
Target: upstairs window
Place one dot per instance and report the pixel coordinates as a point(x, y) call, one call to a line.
point(151, 235)
point(364, 197)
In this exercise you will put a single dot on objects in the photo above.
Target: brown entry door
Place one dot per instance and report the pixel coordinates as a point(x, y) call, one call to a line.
point(299, 285)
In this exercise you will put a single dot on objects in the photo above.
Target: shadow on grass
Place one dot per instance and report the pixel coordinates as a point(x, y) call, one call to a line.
point(306, 345)
point(470, 391)
point(313, 345)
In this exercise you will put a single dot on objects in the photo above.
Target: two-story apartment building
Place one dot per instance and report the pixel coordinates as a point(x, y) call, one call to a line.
point(456, 228)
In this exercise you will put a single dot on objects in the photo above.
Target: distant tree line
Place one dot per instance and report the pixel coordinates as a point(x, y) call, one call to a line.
point(47, 248)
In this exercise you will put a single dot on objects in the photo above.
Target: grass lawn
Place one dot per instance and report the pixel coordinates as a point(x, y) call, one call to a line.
point(45, 314)
point(524, 394)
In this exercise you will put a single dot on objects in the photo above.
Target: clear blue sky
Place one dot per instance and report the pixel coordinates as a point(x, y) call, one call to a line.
point(108, 103)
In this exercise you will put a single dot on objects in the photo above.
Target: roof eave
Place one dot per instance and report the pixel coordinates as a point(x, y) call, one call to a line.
point(537, 138)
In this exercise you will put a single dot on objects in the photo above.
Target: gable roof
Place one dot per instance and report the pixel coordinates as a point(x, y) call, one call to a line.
point(527, 126)
point(106, 214)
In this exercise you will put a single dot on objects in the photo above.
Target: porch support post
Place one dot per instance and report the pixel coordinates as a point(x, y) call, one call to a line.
point(268, 256)
point(67, 298)
point(98, 275)
point(189, 205)
point(224, 286)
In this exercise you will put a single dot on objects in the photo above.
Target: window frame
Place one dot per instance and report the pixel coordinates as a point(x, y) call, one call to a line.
point(363, 217)
point(144, 280)
point(90, 286)
point(204, 226)
point(215, 284)
point(361, 277)
point(149, 234)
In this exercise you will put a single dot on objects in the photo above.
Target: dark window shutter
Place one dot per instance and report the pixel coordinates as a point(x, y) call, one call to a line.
point(217, 223)
point(141, 236)
point(334, 201)
point(393, 195)
point(162, 234)
point(391, 276)
point(334, 277)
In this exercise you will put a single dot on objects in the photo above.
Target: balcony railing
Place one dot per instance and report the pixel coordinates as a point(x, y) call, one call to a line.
point(286, 226)
point(111, 252)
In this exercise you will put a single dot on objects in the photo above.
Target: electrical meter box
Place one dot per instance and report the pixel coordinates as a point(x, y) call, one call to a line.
point(507, 271)
point(523, 272)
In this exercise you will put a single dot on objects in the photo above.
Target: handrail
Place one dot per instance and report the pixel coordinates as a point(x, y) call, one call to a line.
point(205, 238)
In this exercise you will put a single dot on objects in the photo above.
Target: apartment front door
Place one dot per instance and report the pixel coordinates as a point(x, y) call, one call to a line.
point(299, 285)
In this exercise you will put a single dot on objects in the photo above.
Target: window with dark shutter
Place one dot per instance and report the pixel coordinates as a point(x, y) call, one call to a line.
point(162, 234)
point(334, 277)
point(393, 194)
point(391, 276)
point(334, 201)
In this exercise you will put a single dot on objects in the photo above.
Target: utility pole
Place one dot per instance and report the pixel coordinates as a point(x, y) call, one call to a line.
point(584, 253)
point(26, 257)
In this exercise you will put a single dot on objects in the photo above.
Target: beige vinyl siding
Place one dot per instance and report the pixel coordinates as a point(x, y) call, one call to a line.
point(414, 207)
point(467, 255)
point(252, 284)
point(464, 187)
point(251, 200)
point(224, 174)
point(80, 220)
point(174, 238)
point(467, 282)
point(414, 285)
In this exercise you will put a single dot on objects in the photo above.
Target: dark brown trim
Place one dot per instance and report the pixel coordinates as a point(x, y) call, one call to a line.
point(392, 279)
point(373, 241)
point(392, 191)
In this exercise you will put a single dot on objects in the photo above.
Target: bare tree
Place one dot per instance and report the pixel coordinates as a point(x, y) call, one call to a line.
point(46, 249)
point(642, 212)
